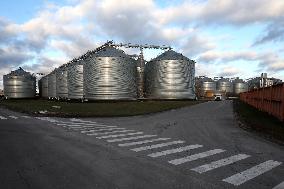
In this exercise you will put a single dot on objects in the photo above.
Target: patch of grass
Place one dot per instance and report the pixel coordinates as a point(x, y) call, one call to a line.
point(93, 109)
point(259, 121)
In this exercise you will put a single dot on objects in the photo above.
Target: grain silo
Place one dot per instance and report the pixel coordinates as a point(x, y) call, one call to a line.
point(224, 85)
point(52, 85)
point(19, 84)
point(43, 87)
point(61, 82)
point(110, 74)
point(75, 79)
point(239, 86)
point(170, 76)
point(208, 87)
point(140, 66)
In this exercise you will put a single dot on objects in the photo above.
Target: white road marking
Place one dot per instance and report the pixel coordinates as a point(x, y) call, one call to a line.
point(119, 135)
point(84, 127)
point(26, 116)
point(251, 173)
point(195, 156)
point(220, 163)
point(86, 122)
point(106, 133)
point(130, 138)
point(80, 120)
point(89, 129)
point(1, 117)
point(74, 127)
point(176, 150)
point(157, 146)
point(41, 118)
point(49, 119)
point(279, 186)
point(83, 124)
point(96, 130)
point(71, 124)
point(13, 117)
point(143, 142)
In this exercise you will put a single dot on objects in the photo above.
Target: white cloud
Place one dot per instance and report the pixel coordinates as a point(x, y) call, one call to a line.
point(274, 32)
point(271, 62)
point(224, 11)
point(229, 71)
point(226, 56)
point(266, 61)
point(83, 24)
point(194, 45)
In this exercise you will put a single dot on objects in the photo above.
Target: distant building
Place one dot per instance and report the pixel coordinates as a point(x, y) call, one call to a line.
point(262, 81)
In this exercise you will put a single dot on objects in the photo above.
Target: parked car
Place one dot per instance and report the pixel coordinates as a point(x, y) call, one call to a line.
point(218, 97)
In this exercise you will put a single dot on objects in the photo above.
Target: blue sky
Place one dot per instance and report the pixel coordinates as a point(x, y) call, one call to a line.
point(227, 38)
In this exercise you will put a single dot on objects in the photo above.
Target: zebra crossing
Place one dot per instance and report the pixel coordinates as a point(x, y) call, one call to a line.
point(138, 141)
point(13, 117)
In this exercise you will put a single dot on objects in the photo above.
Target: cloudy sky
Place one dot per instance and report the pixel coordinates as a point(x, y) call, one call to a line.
point(226, 37)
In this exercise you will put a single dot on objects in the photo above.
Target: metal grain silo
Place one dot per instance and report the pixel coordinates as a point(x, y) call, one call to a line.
point(61, 82)
point(52, 84)
point(239, 86)
point(19, 84)
point(224, 85)
point(170, 76)
point(75, 79)
point(140, 66)
point(39, 84)
point(110, 74)
point(43, 87)
point(208, 87)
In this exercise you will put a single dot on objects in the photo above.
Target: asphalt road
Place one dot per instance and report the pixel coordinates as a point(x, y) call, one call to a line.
point(194, 147)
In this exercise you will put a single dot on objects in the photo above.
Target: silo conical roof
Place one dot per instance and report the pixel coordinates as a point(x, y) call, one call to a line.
point(110, 52)
point(171, 55)
point(223, 80)
point(20, 72)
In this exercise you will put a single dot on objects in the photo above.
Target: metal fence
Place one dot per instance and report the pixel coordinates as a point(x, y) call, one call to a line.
point(268, 99)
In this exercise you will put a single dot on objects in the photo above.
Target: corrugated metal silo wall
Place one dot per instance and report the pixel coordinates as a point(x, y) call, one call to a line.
point(52, 85)
point(19, 86)
point(240, 87)
point(207, 86)
point(44, 87)
point(40, 87)
point(75, 81)
point(110, 78)
point(170, 79)
point(226, 86)
point(61, 83)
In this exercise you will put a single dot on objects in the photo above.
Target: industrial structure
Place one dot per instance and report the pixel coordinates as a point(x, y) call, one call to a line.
point(19, 84)
point(43, 86)
point(52, 84)
point(170, 76)
point(208, 88)
point(75, 80)
point(205, 87)
point(61, 82)
point(262, 81)
point(239, 86)
point(108, 73)
point(224, 85)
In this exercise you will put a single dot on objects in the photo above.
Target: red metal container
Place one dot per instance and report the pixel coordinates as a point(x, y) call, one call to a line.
point(268, 99)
